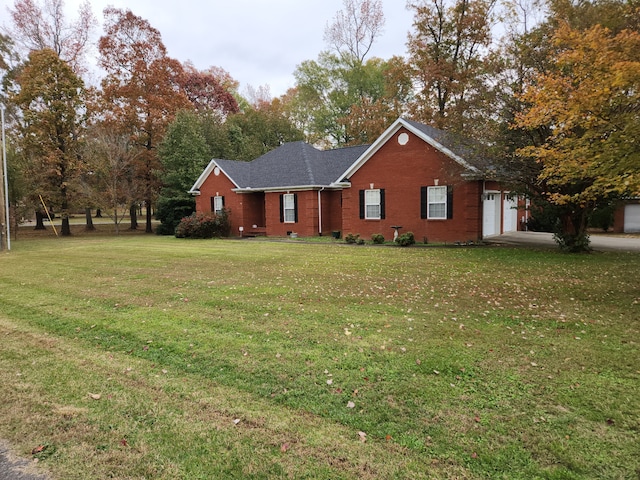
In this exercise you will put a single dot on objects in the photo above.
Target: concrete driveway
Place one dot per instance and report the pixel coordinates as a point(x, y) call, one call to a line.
point(599, 243)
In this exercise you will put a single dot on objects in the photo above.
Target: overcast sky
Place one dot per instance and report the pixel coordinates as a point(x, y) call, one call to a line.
point(259, 42)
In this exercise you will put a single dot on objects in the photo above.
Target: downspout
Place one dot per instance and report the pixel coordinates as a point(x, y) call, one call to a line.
point(320, 212)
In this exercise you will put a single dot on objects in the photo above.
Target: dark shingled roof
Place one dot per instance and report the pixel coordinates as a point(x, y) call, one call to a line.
point(472, 151)
point(292, 165)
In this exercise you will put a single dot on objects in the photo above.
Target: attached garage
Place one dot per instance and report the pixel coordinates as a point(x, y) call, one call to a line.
point(632, 218)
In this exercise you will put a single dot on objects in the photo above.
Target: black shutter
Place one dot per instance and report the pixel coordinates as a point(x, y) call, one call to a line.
point(423, 202)
point(449, 201)
point(295, 207)
point(222, 198)
point(281, 208)
point(382, 203)
point(361, 203)
point(213, 204)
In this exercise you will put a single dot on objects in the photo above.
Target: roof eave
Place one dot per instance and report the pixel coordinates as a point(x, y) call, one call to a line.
point(289, 188)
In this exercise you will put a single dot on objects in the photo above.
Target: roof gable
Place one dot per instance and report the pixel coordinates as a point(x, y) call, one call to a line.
point(446, 143)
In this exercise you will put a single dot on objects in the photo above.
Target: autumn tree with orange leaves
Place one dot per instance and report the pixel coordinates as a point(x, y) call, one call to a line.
point(141, 92)
point(590, 104)
point(50, 96)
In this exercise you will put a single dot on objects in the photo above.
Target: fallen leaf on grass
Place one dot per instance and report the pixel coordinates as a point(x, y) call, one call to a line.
point(95, 396)
point(363, 436)
point(350, 404)
point(38, 449)
point(284, 447)
point(124, 442)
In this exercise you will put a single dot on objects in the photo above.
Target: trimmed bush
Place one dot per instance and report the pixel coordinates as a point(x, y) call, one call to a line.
point(351, 238)
point(377, 238)
point(406, 239)
point(204, 225)
point(170, 211)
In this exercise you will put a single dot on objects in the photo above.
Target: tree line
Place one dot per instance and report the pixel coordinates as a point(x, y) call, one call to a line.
point(549, 88)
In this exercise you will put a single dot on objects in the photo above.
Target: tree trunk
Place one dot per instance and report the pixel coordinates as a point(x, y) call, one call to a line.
point(66, 227)
point(572, 233)
point(89, 227)
point(133, 214)
point(149, 228)
point(39, 221)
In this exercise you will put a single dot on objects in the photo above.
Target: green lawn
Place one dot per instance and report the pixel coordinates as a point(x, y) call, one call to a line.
point(152, 357)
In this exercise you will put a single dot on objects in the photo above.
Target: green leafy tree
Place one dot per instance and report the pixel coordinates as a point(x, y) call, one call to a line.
point(50, 97)
point(184, 153)
point(327, 90)
point(258, 130)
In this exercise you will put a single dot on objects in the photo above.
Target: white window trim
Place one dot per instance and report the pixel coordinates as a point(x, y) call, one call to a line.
point(431, 192)
point(289, 198)
point(368, 203)
point(217, 204)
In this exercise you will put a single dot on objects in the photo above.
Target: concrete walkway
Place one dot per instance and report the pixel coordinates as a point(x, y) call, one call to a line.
point(599, 243)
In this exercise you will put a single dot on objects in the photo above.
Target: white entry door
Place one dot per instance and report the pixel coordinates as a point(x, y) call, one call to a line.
point(491, 214)
point(510, 214)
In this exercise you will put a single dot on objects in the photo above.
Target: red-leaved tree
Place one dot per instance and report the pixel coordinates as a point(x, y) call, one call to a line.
point(141, 92)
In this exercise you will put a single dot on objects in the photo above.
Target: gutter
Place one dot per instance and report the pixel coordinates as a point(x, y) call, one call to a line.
point(320, 211)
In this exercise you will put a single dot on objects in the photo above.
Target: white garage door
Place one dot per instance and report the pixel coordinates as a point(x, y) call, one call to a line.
point(510, 214)
point(491, 214)
point(632, 218)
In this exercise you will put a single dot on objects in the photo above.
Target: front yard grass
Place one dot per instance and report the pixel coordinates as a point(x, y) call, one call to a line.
point(152, 357)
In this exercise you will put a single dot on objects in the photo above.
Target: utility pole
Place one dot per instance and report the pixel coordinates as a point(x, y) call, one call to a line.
point(5, 229)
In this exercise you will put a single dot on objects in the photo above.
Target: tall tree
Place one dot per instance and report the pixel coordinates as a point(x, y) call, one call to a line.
point(109, 183)
point(591, 103)
point(50, 96)
point(258, 130)
point(331, 93)
point(141, 92)
point(210, 90)
point(40, 25)
point(184, 154)
point(372, 114)
point(355, 29)
point(342, 78)
point(447, 54)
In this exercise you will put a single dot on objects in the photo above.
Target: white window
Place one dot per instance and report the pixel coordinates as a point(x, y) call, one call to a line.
point(437, 202)
point(372, 204)
point(289, 207)
point(218, 204)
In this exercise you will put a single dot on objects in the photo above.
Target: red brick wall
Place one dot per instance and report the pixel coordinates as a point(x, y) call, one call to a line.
point(401, 170)
point(307, 224)
point(221, 185)
point(331, 214)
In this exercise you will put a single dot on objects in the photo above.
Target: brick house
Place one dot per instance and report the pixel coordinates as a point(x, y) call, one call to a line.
point(413, 176)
